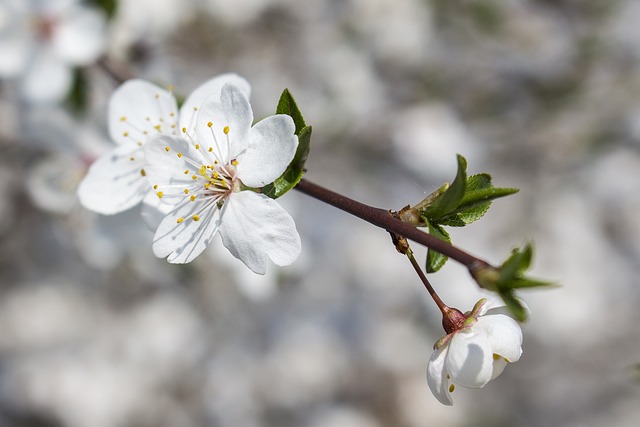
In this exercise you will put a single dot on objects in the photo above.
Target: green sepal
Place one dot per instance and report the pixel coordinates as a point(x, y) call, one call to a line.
point(435, 260)
point(451, 198)
point(294, 172)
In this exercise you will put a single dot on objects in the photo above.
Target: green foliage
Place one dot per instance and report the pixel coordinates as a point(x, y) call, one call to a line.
point(294, 172)
point(435, 260)
point(107, 6)
point(464, 201)
point(509, 277)
point(77, 98)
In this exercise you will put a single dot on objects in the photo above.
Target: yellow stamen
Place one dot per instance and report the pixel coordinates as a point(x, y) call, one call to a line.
point(132, 158)
point(234, 162)
point(451, 388)
point(155, 187)
point(186, 171)
point(125, 134)
point(179, 155)
point(209, 124)
point(186, 191)
point(123, 118)
point(167, 149)
point(180, 220)
point(196, 217)
point(142, 172)
point(184, 130)
point(194, 177)
point(226, 130)
point(193, 197)
point(160, 194)
point(197, 146)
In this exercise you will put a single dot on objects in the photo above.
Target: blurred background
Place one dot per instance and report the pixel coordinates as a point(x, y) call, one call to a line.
point(544, 95)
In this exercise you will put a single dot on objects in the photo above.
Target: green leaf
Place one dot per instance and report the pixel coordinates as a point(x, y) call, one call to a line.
point(77, 98)
point(453, 195)
point(514, 305)
point(476, 201)
point(435, 260)
point(287, 105)
point(294, 172)
point(514, 266)
point(108, 6)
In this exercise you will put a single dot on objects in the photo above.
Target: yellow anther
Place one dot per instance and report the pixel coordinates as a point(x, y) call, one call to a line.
point(157, 127)
point(184, 130)
point(155, 187)
point(226, 130)
point(195, 108)
point(172, 114)
point(139, 143)
point(142, 172)
point(209, 124)
point(170, 87)
point(160, 194)
point(210, 149)
point(186, 171)
point(123, 118)
point(216, 175)
point(451, 388)
point(197, 146)
point(144, 132)
point(196, 217)
point(125, 134)
point(179, 155)
point(186, 191)
point(194, 177)
point(207, 185)
point(132, 158)
point(193, 197)
point(157, 95)
point(202, 170)
point(234, 162)
point(180, 220)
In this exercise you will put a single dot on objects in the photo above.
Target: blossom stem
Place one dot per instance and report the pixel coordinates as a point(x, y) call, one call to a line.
point(441, 305)
point(115, 70)
point(382, 218)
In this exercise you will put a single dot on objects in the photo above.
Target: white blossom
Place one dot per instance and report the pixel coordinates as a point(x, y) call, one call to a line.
point(41, 42)
point(208, 177)
point(475, 353)
point(138, 110)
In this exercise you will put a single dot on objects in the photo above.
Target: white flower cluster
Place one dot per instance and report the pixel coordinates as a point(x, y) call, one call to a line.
point(201, 167)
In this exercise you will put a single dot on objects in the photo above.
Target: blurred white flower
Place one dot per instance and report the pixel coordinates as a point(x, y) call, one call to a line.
point(137, 110)
point(476, 352)
point(203, 178)
point(41, 42)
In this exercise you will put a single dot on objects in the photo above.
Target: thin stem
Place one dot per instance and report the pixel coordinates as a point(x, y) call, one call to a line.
point(116, 71)
point(441, 305)
point(382, 218)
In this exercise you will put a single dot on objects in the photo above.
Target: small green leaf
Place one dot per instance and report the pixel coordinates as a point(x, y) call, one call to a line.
point(287, 105)
point(515, 265)
point(77, 98)
point(453, 195)
point(108, 6)
point(435, 260)
point(514, 305)
point(294, 172)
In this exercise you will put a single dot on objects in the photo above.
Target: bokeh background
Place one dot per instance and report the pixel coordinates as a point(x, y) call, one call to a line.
point(544, 95)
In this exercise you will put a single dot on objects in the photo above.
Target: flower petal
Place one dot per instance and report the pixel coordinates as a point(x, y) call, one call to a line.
point(470, 359)
point(272, 145)
point(180, 237)
point(211, 88)
point(504, 335)
point(47, 79)
point(499, 363)
point(231, 109)
point(437, 376)
point(154, 210)
point(254, 227)
point(115, 182)
point(79, 37)
point(139, 109)
point(168, 158)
